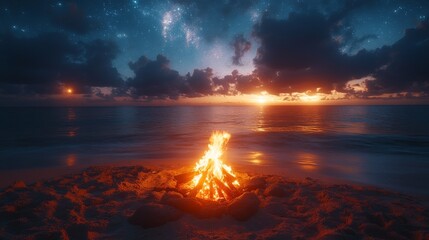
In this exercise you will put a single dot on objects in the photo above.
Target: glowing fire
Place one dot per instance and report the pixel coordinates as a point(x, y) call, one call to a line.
point(213, 179)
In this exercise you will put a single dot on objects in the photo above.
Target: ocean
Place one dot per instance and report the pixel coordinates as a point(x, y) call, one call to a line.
point(385, 146)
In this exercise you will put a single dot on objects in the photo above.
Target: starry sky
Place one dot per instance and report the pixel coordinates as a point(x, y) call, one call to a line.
point(154, 50)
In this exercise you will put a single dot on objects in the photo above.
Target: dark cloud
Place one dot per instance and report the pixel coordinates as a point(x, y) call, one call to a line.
point(155, 79)
point(38, 63)
point(200, 82)
point(407, 64)
point(301, 53)
point(296, 53)
point(98, 68)
point(295, 43)
point(240, 45)
point(45, 64)
point(236, 83)
point(248, 84)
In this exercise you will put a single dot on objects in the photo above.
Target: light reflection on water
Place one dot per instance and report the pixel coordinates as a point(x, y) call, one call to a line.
point(256, 158)
point(307, 161)
point(71, 160)
point(385, 145)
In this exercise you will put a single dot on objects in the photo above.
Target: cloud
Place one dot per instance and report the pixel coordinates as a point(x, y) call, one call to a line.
point(407, 64)
point(44, 64)
point(155, 79)
point(297, 53)
point(35, 65)
point(99, 70)
point(240, 45)
point(301, 53)
point(237, 83)
point(200, 82)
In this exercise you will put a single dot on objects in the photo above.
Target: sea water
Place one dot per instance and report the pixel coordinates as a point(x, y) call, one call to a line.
point(385, 146)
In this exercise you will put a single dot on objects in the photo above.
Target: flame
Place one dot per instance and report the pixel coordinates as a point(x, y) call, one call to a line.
point(214, 180)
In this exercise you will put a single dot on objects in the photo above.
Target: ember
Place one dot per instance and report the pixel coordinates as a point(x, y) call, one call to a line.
point(214, 180)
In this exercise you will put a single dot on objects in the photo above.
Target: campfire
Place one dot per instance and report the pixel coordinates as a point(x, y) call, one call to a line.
point(212, 179)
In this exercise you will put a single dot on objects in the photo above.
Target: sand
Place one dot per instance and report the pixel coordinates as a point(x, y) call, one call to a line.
point(136, 202)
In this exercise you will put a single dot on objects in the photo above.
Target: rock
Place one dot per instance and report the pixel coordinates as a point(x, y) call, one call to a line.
point(157, 195)
point(212, 209)
point(19, 185)
point(275, 190)
point(154, 215)
point(198, 208)
point(244, 206)
point(255, 183)
point(171, 195)
point(188, 205)
point(276, 209)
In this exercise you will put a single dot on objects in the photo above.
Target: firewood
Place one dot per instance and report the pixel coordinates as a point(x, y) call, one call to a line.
point(228, 176)
point(219, 193)
point(184, 178)
point(232, 187)
point(211, 189)
point(224, 188)
point(200, 184)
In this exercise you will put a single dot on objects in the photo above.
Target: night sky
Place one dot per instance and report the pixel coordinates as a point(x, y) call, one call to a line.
point(144, 51)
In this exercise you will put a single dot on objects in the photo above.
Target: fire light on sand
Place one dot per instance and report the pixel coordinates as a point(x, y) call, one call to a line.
point(213, 179)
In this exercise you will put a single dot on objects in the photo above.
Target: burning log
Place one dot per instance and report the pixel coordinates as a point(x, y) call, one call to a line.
point(220, 193)
point(224, 188)
point(184, 178)
point(211, 190)
point(211, 178)
point(229, 179)
point(200, 184)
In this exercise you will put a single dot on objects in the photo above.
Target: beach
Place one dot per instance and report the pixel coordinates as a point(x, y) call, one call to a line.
point(103, 202)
